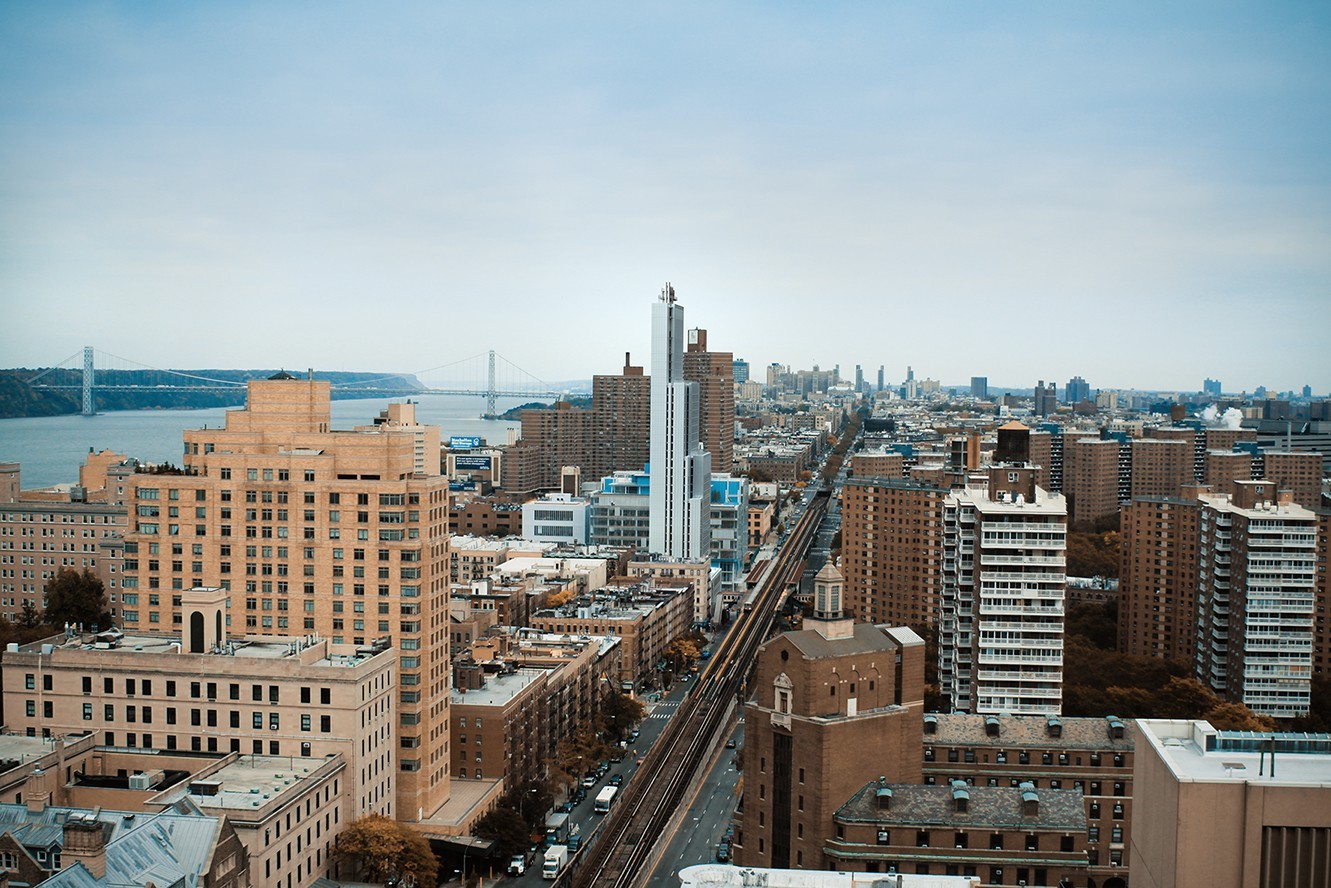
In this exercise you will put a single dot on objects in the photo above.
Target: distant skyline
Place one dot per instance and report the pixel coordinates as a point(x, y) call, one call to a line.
point(1136, 193)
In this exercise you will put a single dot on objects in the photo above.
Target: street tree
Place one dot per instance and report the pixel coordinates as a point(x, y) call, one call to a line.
point(378, 848)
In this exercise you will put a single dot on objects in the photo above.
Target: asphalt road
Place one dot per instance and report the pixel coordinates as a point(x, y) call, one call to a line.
point(583, 819)
point(700, 831)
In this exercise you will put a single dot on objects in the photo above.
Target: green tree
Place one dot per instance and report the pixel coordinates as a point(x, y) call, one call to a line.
point(506, 828)
point(619, 712)
point(377, 848)
point(73, 597)
point(29, 616)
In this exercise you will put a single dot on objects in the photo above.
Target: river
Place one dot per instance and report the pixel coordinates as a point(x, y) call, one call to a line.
point(50, 449)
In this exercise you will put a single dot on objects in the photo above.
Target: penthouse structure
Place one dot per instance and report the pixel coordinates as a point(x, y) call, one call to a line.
point(1000, 646)
point(832, 703)
point(205, 691)
point(310, 530)
point(1256, 595)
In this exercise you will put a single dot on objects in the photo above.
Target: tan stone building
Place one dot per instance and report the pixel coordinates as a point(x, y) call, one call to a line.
point(255, 695)
point(287, 813)
point(1219, 809)
point(43, 532)
point(891, 551)
point(878, 465)
point(833, 705)
point(310, 530)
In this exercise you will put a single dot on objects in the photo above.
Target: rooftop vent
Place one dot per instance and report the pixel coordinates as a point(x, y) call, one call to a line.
point(931, 724)
point(992, 727)
point(1053, 727)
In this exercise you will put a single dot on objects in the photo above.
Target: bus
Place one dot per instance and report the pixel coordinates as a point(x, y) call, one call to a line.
point(604, 799)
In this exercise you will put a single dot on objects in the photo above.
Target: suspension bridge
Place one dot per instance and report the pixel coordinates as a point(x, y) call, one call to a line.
point(490, 376)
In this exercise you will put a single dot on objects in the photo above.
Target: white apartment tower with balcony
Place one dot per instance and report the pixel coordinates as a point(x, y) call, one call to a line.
point(1000, 647)
point(680, 469)
point(1255, 598)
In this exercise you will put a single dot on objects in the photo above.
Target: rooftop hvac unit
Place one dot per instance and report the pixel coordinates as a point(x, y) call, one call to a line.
point(141, 782)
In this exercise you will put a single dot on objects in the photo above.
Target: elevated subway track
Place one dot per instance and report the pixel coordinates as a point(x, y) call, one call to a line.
point(650, 799)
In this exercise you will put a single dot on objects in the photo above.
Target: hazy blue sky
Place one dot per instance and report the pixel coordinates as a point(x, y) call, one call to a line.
point(1136, 192)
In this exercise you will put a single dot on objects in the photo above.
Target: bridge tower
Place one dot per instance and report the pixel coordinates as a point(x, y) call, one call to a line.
point(490, 393)
point(88, 408)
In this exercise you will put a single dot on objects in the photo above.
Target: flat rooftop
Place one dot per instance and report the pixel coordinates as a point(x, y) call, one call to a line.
point(499, 688)
point(1195, 752)
point(20, 749)
point(254, 647)
point(248, 783)
point(1017, 731)
point(718, 875)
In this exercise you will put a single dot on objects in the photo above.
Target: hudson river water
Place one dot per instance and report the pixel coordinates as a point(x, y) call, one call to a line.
point(50, 449)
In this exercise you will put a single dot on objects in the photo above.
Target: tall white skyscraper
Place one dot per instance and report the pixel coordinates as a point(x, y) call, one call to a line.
point(680, 469)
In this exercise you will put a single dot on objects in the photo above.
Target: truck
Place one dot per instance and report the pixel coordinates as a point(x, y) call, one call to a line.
point(604, 799)
point(556, 829)
point(556, 858)
point(517, 865)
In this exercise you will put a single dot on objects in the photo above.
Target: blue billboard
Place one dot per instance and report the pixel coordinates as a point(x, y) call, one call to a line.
point(463, 442)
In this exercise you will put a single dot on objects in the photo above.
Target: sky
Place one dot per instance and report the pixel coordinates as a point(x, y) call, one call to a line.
point(1138, 193)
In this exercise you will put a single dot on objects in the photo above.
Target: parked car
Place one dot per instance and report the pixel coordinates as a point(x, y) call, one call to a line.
point(730, 744)
point(589, 781)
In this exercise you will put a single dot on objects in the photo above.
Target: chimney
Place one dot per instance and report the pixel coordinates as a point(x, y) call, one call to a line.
point(85, 842)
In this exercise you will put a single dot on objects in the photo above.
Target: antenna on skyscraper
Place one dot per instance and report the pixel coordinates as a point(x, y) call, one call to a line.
point(668, 294)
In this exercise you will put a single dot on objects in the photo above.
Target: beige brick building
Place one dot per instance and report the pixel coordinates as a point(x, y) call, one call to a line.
point(252, 695)
point(310, 530)
point(43, 532)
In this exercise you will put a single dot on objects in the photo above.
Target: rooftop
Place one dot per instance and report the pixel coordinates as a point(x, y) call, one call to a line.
point(1195, 752)
point(499, 688)
point(716, 875)
point(306, 650)
point(866, 639)
point(249, 782)
point(960, 729)
point(995, 807)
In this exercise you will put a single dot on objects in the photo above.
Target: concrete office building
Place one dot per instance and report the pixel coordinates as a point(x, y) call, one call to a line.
point(1077, 390)
point(310, 530)
point(680, 469)
point(892, 551)
point(1000, 645)
point(1222, 809)
point(1255, 598)
point(557, 518)
point(834, 705)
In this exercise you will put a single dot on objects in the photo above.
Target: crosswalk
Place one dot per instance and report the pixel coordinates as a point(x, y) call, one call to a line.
point(664, 710)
